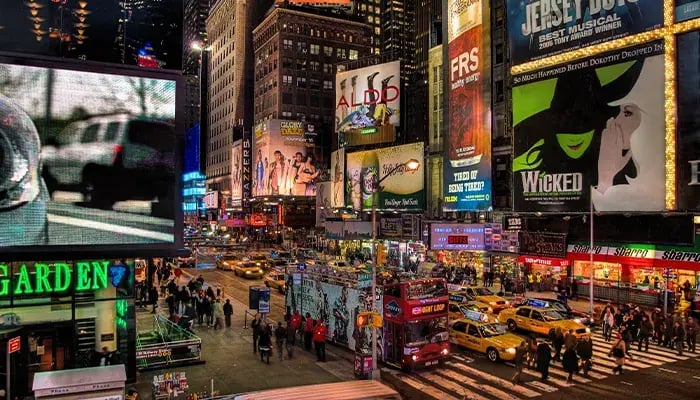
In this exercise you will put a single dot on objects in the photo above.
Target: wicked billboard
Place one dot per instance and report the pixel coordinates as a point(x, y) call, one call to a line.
point(367, 104)
point(688, 128)
point(402, 190)
point(467, 174)
point(596, 122)
point(287, 161)
point(540, 28)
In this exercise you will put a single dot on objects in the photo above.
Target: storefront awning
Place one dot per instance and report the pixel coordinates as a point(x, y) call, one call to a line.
point(637, 255)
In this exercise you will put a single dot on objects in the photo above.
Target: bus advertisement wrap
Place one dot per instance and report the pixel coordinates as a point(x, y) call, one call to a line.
point(541, 28)
point(596, 122)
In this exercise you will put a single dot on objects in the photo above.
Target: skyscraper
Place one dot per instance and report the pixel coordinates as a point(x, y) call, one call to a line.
point(194, 31)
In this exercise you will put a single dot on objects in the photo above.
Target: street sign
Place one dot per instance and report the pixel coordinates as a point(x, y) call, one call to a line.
point(14, 345)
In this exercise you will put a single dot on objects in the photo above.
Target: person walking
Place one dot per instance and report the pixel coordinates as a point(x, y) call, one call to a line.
point(679, 337)
point(691, 333)
point(153, 297)
point(319, 336)
point(570, 340)
point(619, 352)
point(574, 289)
point(218, 314)
point(519, 360)
point(295, 322)
point(257, 327)
point(531, 351)
point(608, 323)
point(544, 357)
point(291, 339)
point(646, 329)
point(584, 349)
point(280, 336)
point(308, 331)
point(570, 363)
point(557, 338)
point(265, 342)
point(228, 311)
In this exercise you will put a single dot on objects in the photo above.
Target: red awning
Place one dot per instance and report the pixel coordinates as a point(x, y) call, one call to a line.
point(554, 262)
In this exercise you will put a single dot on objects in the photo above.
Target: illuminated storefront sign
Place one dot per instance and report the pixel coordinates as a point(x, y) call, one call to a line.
point(428, 309)
point(54, 278)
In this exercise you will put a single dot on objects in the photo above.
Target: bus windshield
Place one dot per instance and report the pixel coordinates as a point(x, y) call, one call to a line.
point(426, 331)
point(417, 291)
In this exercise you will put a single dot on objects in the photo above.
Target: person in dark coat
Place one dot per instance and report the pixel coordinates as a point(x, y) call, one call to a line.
point(570, 363)
point(584, 349)
point(646, 329)
point(557, 338)
point(544, 357)
point(153, 298)
point(228, 311)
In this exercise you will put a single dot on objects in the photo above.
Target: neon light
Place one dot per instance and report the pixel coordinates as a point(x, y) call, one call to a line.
point(89, 275)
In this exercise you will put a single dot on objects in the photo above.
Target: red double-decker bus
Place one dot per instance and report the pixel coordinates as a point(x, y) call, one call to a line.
point(415, 323)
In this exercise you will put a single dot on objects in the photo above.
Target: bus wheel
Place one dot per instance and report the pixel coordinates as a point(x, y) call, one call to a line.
point(492, 354)
point(512, 325)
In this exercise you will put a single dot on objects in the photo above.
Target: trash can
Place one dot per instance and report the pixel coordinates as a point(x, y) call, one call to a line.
point(363, 365)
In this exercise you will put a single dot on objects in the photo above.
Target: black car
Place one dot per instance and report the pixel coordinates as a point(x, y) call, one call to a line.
point(563, 308)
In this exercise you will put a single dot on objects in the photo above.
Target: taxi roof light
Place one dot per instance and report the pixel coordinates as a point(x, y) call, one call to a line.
point(476, 316)
point(538, 303)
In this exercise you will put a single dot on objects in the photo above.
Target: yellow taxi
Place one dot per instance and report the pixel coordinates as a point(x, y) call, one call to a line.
point(461, 303)
point(474, 332)
point(227, 262)
point(275, 280)
point(486, 296)
point(539, 317)
point(248, 270)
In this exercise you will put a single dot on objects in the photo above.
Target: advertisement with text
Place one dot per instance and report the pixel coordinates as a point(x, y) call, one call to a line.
point(236, 172)
point(367, 104)
point(688, 123)
point(401, 189)
point(596, 122)
point(287, 162)
point(540, 28)
point(687, 9)
point(338, 178)
point(467, 172)
point(86, 158)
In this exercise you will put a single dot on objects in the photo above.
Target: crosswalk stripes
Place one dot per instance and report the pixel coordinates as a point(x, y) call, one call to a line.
point(460, 377)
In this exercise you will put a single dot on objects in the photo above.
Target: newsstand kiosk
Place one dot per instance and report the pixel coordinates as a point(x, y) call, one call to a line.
point(103, 383)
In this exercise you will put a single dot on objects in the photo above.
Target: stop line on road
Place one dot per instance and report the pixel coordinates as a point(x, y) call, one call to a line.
point(460, 378)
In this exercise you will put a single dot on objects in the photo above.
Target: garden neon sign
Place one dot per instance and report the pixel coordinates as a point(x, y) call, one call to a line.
point(54, 278)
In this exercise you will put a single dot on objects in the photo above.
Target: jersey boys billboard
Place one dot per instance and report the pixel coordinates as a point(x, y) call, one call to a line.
point(367, 102)
point(688, 128)
point(402, 190)
point(539, 28)
point(596, 122)
point(467, 171)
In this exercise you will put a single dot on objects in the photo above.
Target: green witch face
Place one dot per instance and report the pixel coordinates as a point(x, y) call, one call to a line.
point(575, 145)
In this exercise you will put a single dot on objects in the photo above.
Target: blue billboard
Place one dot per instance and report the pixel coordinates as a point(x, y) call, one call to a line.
point(192, 137)
point(687, 9)
point(541, 28)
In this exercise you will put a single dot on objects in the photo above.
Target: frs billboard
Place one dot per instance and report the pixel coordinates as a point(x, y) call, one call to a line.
point(287, 162)
point(88, 160)
point(237, 173)
point(540, 28)
point(402, 190)
point(467, 171)
point(596, 122)
point(337, 184)
point(367, 104)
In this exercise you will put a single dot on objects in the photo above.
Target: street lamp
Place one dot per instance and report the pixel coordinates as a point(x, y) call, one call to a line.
point(409, 165)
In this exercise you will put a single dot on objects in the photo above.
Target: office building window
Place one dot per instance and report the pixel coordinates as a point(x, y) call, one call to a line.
point(286, 79)
point(315, 49)
point(328, 50)
point(287, 44)
point(352, 54)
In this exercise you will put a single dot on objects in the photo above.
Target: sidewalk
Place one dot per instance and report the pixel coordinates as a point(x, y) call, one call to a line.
point(231, 364)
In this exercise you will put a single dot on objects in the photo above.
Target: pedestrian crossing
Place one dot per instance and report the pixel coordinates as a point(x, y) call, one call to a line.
point(460, 377)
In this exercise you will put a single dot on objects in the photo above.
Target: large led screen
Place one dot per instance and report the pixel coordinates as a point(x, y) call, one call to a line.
point(367, 104)
point(86, 158)
point(591, 127)
point(457, 237)
point(237, 173)
point(287, 161)
point(467, 170)
point(688, 128)
point(399, 188)
point(540, 28)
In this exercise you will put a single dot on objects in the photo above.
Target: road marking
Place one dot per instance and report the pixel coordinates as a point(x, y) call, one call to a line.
point(696, 377)
point(418, 385)
point(500, 394)
point(556, 381)
point(101, 226)
point(668, 370)
point(448, 384)
point(625, 383)
point(464, 358)
point(542, 386)
point(494, 379)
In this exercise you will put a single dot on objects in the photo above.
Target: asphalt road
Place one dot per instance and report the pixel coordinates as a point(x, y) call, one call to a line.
point(129, 222)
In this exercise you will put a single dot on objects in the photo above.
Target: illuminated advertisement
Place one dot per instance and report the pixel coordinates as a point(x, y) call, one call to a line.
point(237, 173)
point(457, 237)
point(338, 178)
point(540, 28)
point(467, 171)
point(593, 123)
point(286, 160)
point(367, 104)
point(87, 158)
point(211, 200)
point(247, 165)
point(323, 203)
point(688, 123)
point(687, 9)
point(401, 190)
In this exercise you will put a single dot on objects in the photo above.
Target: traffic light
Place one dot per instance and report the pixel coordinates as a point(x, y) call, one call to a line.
point(364, 318)
point(377, 320)
point(381, 254)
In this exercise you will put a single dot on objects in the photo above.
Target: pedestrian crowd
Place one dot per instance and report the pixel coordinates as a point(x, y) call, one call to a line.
point(312, 334)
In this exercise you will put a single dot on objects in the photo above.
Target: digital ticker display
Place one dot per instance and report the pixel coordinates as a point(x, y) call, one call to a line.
point(87, 158)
